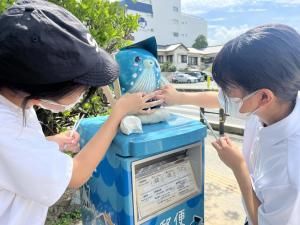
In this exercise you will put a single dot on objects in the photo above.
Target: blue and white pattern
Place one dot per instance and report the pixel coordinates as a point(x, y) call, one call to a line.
point(107, 198)
point(139, 71)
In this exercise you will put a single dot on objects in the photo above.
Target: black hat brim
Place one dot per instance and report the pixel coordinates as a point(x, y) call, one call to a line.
point(103, 73)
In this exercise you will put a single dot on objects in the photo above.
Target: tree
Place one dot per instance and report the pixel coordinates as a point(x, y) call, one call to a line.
point(107, 21)
point(4, 4)
point(167, 67)
point(200, 42)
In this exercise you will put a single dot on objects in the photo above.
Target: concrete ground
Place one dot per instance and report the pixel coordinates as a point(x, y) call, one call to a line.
point(222, 195)
point(195, 86)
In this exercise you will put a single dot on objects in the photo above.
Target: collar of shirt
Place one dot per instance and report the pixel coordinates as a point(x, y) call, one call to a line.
point(282, 129)
point(9, 108)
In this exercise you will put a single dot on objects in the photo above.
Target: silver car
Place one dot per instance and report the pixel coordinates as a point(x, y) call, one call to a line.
point(184, 78)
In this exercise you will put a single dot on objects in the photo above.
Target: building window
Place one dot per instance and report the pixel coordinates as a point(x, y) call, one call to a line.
point(184, 58)
point(175, 34)
point(170, 58)
point(207, 60)
point(193, 61)
point(175, 9)
point(160, 58)
point(175, 21)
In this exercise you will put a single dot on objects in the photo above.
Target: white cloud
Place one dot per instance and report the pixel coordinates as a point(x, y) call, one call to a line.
point(235, 6)
point(218, 19)
point(288, 2)
point(256, 10)
point(212, 26)
point(279, 19)
point(221, 34)
point(196, 6)
point(236, 10)
point(242, 10)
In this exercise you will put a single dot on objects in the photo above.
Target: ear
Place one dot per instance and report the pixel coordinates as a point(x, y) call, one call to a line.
point(267, 95)
point(33, 102)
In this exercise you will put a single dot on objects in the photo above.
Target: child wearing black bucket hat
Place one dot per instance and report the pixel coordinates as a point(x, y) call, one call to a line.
point(48, 58)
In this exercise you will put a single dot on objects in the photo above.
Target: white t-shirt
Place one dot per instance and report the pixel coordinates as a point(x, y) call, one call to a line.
point(273, 157)
point(33, 172)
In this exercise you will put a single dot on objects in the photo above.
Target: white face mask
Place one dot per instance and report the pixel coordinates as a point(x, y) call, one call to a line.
point(59, 107)
point(233, 106)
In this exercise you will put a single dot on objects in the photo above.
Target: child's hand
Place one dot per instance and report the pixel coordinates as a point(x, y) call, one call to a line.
point(229, 153)
point(136, 103)
point(65, 142)
point(170, 95)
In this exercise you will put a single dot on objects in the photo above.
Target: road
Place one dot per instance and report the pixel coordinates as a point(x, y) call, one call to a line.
point(196, 86)
point(222, 196)
point(211, 115)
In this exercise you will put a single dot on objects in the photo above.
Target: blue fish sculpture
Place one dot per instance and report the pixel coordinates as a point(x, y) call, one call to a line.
point(140, 72)
point(139, 68)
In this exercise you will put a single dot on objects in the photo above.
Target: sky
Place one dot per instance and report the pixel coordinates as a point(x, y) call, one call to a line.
point(227, 19)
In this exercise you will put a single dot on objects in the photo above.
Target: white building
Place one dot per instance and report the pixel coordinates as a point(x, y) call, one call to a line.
point(188, 58)
point(164, 20)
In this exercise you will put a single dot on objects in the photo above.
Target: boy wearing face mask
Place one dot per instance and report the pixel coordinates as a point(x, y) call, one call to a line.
point(259, 78)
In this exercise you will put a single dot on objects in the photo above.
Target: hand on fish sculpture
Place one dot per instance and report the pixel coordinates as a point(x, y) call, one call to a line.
point(140, 72)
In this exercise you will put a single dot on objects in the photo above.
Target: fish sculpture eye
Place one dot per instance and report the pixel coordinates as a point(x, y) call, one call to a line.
point(137, 59)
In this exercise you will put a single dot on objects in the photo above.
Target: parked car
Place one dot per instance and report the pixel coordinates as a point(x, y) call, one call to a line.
point(199, 75)
point(184, 78)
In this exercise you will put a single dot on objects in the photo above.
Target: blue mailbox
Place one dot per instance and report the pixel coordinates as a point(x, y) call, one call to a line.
point(153, 178)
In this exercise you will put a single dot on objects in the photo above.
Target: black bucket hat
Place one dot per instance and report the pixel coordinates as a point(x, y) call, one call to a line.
point(42, 43)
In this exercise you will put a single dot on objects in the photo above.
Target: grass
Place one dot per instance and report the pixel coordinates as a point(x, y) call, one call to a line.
point(68, 218)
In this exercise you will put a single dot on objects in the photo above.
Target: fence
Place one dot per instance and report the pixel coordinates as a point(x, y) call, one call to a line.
point(202, 111)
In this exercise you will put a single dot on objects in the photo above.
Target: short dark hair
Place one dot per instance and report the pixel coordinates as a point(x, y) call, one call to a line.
point(267, 56)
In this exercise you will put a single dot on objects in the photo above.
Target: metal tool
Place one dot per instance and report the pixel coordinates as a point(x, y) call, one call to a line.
point(209, 126)
point(76, 126)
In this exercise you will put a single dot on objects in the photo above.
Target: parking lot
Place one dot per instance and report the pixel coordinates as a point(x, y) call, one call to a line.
point(196, 86)
point(189, 77)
